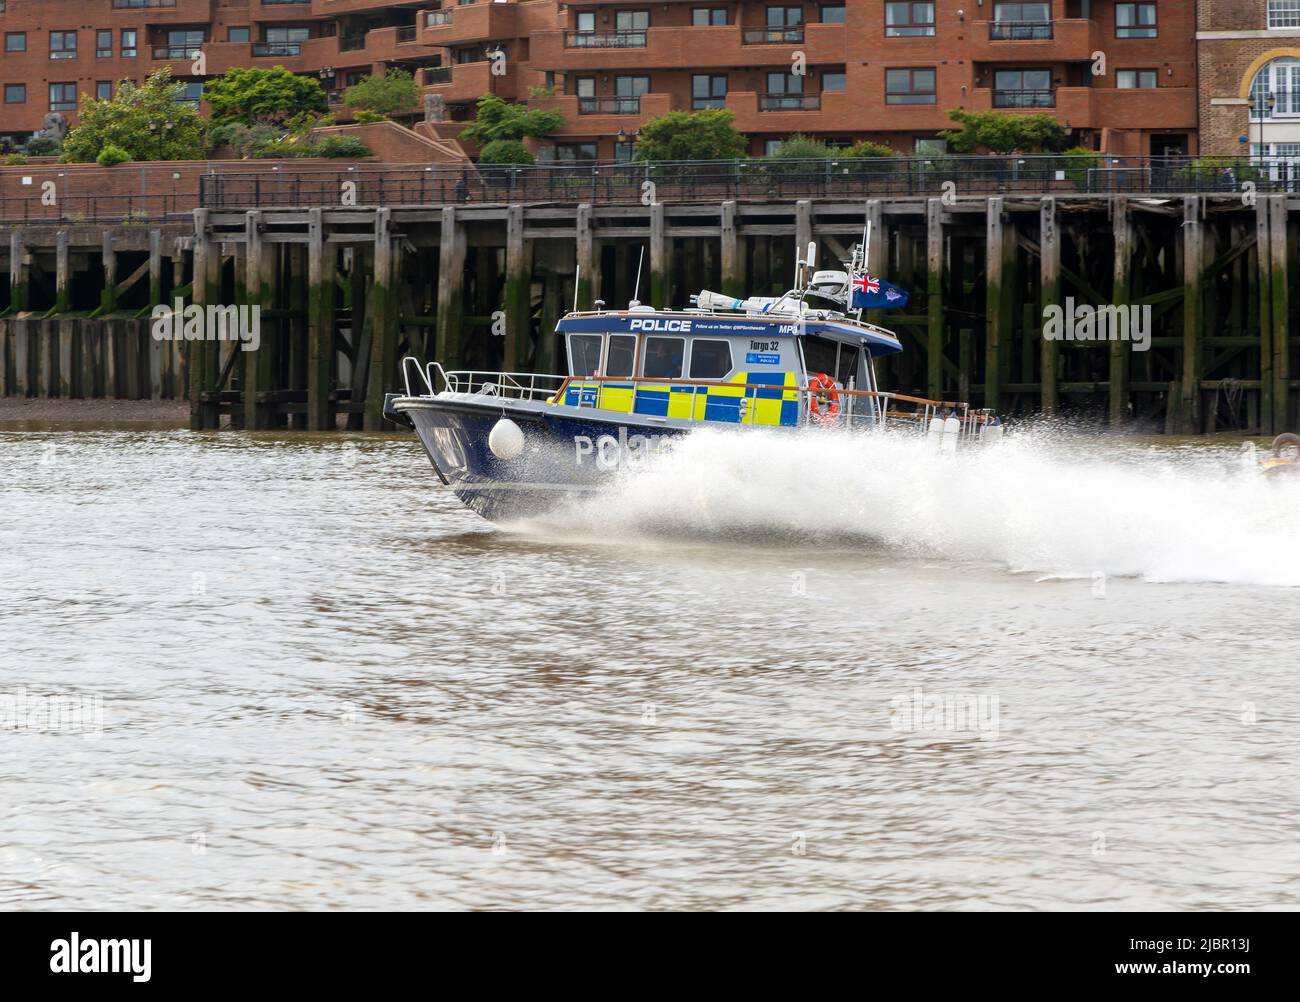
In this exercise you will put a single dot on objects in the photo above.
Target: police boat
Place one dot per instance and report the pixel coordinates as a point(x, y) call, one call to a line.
point(516, 445)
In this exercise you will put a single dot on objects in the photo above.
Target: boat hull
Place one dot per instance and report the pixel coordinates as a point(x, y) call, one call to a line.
point(566, 456)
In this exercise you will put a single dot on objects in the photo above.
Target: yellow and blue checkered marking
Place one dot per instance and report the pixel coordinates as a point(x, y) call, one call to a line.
point(774, 404)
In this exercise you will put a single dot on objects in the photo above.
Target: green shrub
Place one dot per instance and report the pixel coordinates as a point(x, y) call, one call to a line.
point(112, 155)
point(505, 151)
point(365, 116)
point(42, 146)
point(15, 160)
point(864, 149)
point(339, 146)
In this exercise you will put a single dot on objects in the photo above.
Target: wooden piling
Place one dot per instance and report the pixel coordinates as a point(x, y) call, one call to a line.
point(660, 283)
point(451, 287)
point(320, 324)
point(587, 261)
point(518, 292)
point(934, 298)
point(18, 272)
point(62, 274)
point(995, 328)
point(382, 310)
point(732, 260)
point(108, 258)
point(1279, 263)
point(1050, 264)
point(1120, 295)
point(1187, 421)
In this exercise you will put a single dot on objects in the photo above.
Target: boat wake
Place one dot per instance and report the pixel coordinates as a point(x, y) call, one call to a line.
point(1038, 502)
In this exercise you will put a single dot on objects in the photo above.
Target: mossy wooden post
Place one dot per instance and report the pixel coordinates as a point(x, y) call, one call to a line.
point(259, 371)
point(732, 260)
point(108, 256)
point(995, 329)
point(934, 297)
point(1049, 246)
point(20, 380)
point(18, 290)
point(518, 291)
point(88, 335)
point(1189, 406)
point(382, 311)
point(1281, 311)
point(1264, 260)
point(155, 268)
point(1120, 294)
point(660, 282)
point(202, 353)
point(587, 259)
point(451, 289)
point(67, 333)
point(320, 323)
point(62, 274)
point(803, 226)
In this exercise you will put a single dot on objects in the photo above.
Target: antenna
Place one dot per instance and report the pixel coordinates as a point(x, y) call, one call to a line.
point(636, 291)
point(577, 280)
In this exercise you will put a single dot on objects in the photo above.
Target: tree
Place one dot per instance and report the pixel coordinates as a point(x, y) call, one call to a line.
point(497, 119)
point(702, 135)
point(149, 122)
point(392, 91)
point(249, 95)
point(1004, 132)
point(504, 151)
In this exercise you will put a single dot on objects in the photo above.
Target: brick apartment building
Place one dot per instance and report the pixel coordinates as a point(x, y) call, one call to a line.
point(1248, 52)
point(840, 70)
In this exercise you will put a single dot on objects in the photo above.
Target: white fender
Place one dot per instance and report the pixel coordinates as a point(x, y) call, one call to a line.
point(506, 439)
point(951, 429)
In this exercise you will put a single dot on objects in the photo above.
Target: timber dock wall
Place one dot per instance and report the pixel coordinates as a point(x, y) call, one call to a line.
point(346, 292)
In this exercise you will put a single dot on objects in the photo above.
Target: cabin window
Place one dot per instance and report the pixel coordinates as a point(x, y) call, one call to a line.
point(663, 357)
point(710, 359)
point(847, 369)
point(622, 354)
point(819, 355)
point(584, 354)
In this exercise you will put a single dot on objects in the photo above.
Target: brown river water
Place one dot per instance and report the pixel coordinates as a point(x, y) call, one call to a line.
point(270, 671)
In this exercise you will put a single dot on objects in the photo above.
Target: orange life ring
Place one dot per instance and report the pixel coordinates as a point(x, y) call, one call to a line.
point(823, 392)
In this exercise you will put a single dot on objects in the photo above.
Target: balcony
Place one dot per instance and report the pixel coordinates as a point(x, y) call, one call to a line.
point(772, 36)
point(789, 102)
point(609, 40)
point(609, 105)
point(1020, 31)
point(716, 46)
point(464, 83)
point(268, 50)
point(476, 22)
point(1024, 99)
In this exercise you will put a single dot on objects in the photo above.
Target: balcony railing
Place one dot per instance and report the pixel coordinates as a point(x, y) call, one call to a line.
point(789, 102)
point(604, 40)
point(177, 51)
point(757, 179)
point(264, 49)
point(1019, 31)
point(609, 105)
point(437, 74)
point(406, 33)
point(350, 41)
point(772, 36)
point(1024, 99)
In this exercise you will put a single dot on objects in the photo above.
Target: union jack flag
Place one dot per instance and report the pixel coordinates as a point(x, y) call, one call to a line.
point(865, 283)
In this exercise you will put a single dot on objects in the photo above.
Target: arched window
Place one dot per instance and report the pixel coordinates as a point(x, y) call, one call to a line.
point(1275, 91)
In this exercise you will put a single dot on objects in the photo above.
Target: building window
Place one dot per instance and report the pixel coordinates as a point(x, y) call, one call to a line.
point(708, 90)
point(833, 14)
point(585, 22)
point(63, 97)
point(104, 90)
point(1019, 21)
point(1023, 89)
point(104, 44)
point(1275, 91)
point(585, 86)
point(63, 45)
point(833, 80)
point(623, 151)
point(708, 17)
point(1136, 79)
point(1284, 13)
point(631, 20)
point(913, 86)
point(908, 19)
point(238, 35)
point(15, 93)
point(569, 153)
point(192, 93)
point(770, 146)
point(1135, 20)
point(15, 41)
point(128, 49)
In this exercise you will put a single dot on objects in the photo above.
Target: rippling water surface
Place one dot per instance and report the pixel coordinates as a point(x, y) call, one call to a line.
point(811, 674)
